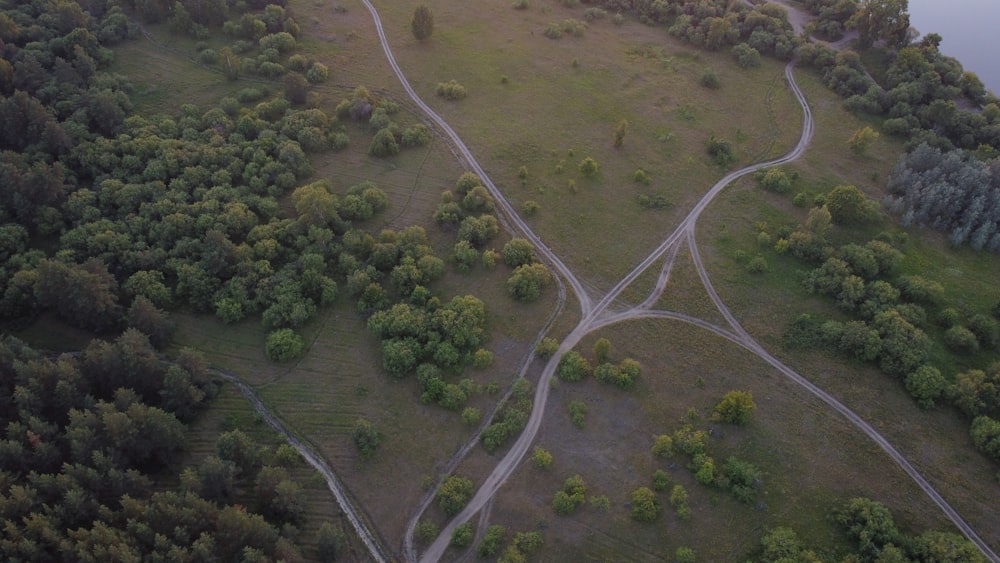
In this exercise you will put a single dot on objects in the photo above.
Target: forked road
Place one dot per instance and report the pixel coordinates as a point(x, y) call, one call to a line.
point(595, 316)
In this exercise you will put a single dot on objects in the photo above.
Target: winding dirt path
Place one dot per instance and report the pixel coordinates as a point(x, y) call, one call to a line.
point(595, 316)
point(353, 513)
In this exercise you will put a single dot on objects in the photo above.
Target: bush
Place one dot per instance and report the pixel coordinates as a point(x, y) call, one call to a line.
point(518, 252)
point(454, 493)
point(735, 407)
point(317, 73)
point(383, 144)
point(573, 366)
point(926, 385)
point(645, 505)
point(528, 281)
point(491, 544)
point(709, 80)
point(546, 347)
point(746, 56)
point(577, 412)
point(589, 167)
point(471, 416)
point(283, 345)
point(462, 536)
point(541, 458)
point(720, 150)
point(451, 90)
point(961, 339)
point(773, 180)
point(365, 437)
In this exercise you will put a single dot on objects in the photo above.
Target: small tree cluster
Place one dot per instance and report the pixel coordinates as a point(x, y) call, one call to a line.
point(571, 496)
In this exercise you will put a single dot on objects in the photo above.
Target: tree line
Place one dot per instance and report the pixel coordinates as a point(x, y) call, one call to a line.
point(896, 320)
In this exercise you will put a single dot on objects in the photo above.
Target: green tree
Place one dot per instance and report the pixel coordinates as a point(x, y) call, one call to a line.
point(283, 345)
point(518, 252)
point(542, 458)
point(663, 446)
point(573, 366)
point(241, 450)
point(384, 144)
point(462, 536)
point(848, 205)
point(862, 139)
point(735, 407)
point(492, 542)
point(985, 433)
point(870, 523)
point(645, 505)
point(882, 19)
point(422, 24)
point(528, 281)
point(546, 347)
point(602, 350)
point(328, 542)
point(454, 493)
point(365, 437)
point(926, 385)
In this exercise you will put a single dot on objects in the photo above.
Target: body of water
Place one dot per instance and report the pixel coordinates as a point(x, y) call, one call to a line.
point(969, 30)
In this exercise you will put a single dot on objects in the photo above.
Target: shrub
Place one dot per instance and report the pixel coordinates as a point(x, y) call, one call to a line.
point(462, 536)
point(663, 446)
point(720, 150)
point(317, 73)
point(661, 480)
point(589, 167)
point(709, 80)
point(531, 207)
point(518, 252)
point(926, 385)
point(546, 347)
point(645, 505)
point(520, 4)
point(746, 56)
point(961, 339)
point(451, 90)
point(735, 407)
point(365, 437)
point(573, 366)
point(491, 544)
point(528, 281)
point(454, 493)
point(283, 345)
point(383, 144)
point(577, 412)
point(471, 416)
point(640, 176)
point(425, 531)
point(541, 458)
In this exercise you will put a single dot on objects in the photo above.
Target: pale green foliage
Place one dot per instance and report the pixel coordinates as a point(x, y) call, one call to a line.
point(735, 407)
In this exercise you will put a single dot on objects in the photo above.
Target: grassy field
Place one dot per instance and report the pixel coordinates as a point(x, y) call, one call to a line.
point(685, 372)
point(544, 105)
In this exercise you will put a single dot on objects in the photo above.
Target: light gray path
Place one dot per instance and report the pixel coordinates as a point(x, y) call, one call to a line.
point(368, 538)
point(596, 315)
